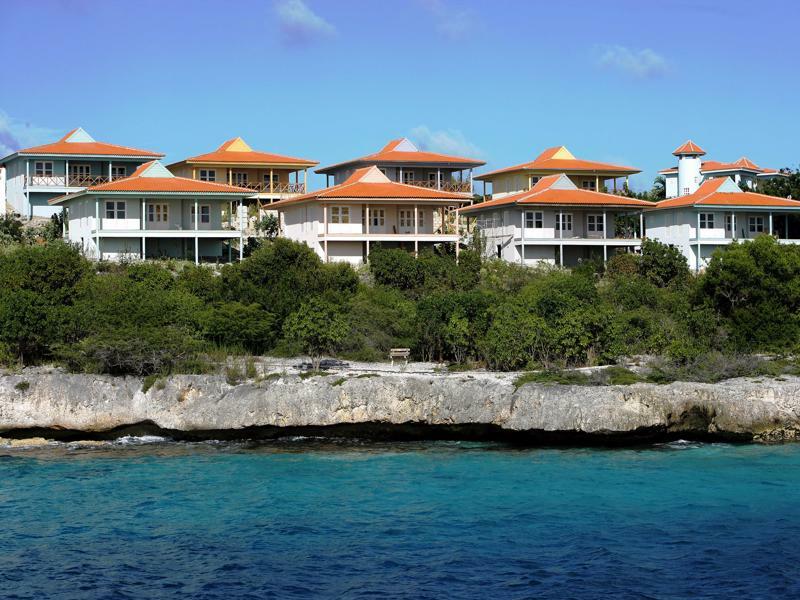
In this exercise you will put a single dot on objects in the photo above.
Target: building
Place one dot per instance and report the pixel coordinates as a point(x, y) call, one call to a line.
point(717, 213)
point(270, 177)
point(557, 222)
point(341, 222)
point(585, 174)
point(153, 214)
point(692, 171)
point(34, 176)
point(402, 162)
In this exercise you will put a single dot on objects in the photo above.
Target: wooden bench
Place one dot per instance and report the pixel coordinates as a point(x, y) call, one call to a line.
point(403, 353)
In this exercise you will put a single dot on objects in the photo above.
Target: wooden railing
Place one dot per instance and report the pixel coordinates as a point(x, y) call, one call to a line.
point(275, 188)
point(70, 181)
point(447, 186)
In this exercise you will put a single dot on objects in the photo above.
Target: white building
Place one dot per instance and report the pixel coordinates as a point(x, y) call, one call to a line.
point(717, 213)
point(31, 177)
point(153, 214)
point(341, 222)
point(692, 171)
point(556, 222)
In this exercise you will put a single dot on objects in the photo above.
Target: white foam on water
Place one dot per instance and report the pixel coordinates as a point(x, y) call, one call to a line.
point(135, 440)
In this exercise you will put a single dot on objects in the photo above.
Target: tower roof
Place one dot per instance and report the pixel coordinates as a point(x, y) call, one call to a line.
point(236, 151)
point(689, 148)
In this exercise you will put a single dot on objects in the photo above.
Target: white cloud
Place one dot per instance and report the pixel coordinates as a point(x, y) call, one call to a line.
point(641, 64)
point(452, 23)
point(15, 134)
point(299, 25)
point(450, 141)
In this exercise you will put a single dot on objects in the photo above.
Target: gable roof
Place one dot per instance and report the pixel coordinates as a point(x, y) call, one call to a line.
point(743, 164)
point(722, 191)
point(690, 148)
point(401, 152)
point(237, 151)
point(154, 178)
point(370, 183)
point(79, 143)
point(558, 190)
point(560, 160)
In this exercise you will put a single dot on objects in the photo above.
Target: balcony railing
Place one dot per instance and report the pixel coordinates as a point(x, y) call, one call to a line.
point(68, 181)
point(275, 188)
point(447, 186)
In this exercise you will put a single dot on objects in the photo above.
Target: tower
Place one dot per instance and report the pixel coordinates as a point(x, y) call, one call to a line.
point(689, 165)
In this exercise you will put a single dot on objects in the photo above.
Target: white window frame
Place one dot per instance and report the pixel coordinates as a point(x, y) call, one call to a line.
point(340, 215)
point(43, 168)
point(565, 218)
point(208, 175)
point(80, 170)
point(408, 177)
point(594, 223)
point(406, 218)
point(116, 209)
point(534, 179)
point(377, 217)
point(706, 220)
point(158, 212)
point(685, 191)
point(420, 218)
point(755, 224)
point(119, 172)
point(728, 222)
point(432, 176)
point(534, 219)
point(205, 214)
point(239, 177)
point(276, 178)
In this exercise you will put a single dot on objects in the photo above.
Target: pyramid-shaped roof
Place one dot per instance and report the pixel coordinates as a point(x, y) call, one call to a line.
point(723, 191)
point(236, 151)
point(689, 148)
point(559, 159)
point(79, 143)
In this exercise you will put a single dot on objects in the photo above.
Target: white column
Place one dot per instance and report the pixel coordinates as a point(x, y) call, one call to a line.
point(641, 225)
point(325, 230)
point(27, 186)
point(401, 180)
point(733, 225)
point(438, 179)
point(144, 228)
point(109, 170)
point(522, 237)
point(196, 228)
point(770, 223)
point(561, 236)
point(241, 246)
point(416, 230)
point(270, 182)
point(697, 256)
point(605, 233)
point(66, 172)
point(470, 182)
point(97, 227)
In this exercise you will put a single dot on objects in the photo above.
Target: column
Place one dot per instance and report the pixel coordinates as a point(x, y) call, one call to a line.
point(97, 227)
point(561, 237)
point(230, 177)
point(241, 246)
point(522, 237)
point(733, 225)
point(401, 180)
point(697, 236)
point(597, 183)
point(27, 186)
point(270, 182)
point(770, 223)
point(605, 231)
point(196, 228)
point(66, 172)
point(438, 179)
point(416, 230)
point(144, 228)
point(615, 185)
point(305, 181)
point(470, 182)
point(325, 230)
point(641, 225)
point(109, 170)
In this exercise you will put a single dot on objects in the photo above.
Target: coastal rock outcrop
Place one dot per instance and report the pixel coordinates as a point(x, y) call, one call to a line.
point(400, 405)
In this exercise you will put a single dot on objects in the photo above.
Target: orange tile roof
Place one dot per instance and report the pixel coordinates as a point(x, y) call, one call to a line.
point(711, 166)
point(544, 193)
point(369, 182)
point(689, 147)
point(236, 151)
point(138, 182)
point(709, 194)
point(559, 160)
point(390, 155)
point(65, 147)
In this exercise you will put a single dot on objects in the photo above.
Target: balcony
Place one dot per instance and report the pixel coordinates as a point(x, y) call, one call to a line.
point(67, 181)
point(460, 187)
point(275, 188)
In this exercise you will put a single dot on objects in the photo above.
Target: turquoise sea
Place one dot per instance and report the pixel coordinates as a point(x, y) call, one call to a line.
point(342, 519)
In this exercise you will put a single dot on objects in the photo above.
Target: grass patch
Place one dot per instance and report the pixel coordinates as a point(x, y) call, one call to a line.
point(250, 368)
point(459, 368)
point(552, 376)
point(308, 374)
point(366, 375)
point(339, 382)
point(149, 382)
point(22, 386)
point(271, 377)
point(233, 375)
point(620, 376)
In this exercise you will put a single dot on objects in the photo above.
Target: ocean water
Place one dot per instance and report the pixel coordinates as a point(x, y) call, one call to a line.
point(310, 518)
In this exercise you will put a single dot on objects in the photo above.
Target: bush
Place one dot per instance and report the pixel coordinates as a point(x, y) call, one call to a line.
point(237, 325)
point(317, 328)
point(662, 264)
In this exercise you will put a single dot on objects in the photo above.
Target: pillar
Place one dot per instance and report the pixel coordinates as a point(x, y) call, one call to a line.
point(438, 179)
point(641, 225)
point(697, 256)
point(770, 223)
point(605, 231)
point(325, 231)
point(733, 225)
point(97, 227)
point(305, 181)
point(522, 237)
point(416, 230)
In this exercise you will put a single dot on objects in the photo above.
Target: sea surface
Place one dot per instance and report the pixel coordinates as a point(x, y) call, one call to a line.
point(300, 518)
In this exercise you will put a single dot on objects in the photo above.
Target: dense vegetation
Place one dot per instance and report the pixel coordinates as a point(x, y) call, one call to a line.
point(146, 318)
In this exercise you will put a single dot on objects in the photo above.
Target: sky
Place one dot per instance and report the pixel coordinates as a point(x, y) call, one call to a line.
point(623, 81)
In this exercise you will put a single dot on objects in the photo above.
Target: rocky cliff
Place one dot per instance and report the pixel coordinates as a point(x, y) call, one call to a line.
point(55, 404)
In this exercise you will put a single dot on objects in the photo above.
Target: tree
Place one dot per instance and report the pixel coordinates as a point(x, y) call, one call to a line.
point(317, 328)
point(662, 264)
point(233, 324)
point(10, 228)
point(268, 226)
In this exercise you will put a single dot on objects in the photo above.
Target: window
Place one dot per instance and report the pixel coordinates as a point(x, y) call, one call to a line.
point(728, 222)
point(408, 177)
point(158, 213)
point(534, 180)
point(205, 214)
point(534, 220)
point(406, 218)
point(43, 168)
point(755, 224)
point(706, 220)
point(685, 191)
point(211, 175)
point(377, 217)
point(275, 179)
point(239, 178)
point(421, 219)
point(589, 184)
point(594, 223)
point(118, 172)
point(564, 222)
point(432, 178)
point(382, 170)
point(115, 210)
point(340, 214)
point(79, 171)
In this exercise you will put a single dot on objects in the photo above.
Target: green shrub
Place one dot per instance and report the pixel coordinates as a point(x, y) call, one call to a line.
point(22, 386)
point(233, 375)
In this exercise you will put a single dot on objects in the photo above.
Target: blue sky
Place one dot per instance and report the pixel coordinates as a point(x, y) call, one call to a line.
point(620, 80)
